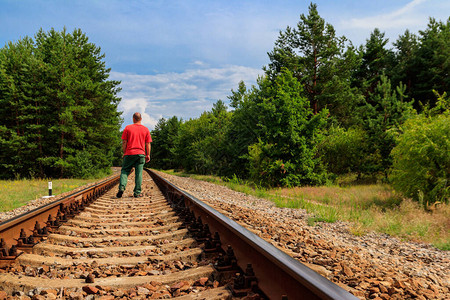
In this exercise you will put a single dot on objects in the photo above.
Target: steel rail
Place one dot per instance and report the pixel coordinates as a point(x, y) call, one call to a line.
point(278, 274)
point(10, 229)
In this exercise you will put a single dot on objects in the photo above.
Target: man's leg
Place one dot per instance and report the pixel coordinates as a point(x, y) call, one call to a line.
point(127, 164)
point(138, 167)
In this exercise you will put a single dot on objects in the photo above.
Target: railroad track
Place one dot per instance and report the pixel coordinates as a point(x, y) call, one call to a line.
point(165, 245)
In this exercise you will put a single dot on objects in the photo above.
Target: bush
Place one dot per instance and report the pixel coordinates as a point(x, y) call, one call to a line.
point(422, 161)
point(343, 151)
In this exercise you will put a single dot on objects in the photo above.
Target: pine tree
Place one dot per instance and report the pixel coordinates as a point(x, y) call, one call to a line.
point(375, 61)
point(59, 111)
point(432, 62)
point(381, 116)
point(320, 62)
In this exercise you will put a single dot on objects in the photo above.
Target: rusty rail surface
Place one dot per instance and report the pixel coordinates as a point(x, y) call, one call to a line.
point(21, 233)
point(278, 275)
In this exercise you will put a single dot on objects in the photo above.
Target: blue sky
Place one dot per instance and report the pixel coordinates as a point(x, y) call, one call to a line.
point(179, 57)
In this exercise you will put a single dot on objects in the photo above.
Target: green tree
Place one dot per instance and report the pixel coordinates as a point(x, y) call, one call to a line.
point(59, 104)
point(84, 102)
point(344, 150)
point(164, 138)
point(432, 62)
point(375, 62)
point(384, 111)
point(320, 62)
point(289, 131)
point(242, 132)
point(21, 109)
point(403, 69)
point(201, 143)
point(421, 165)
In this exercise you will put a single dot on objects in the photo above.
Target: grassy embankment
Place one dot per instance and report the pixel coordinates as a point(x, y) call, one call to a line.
point(371, 207)
point(15, 193)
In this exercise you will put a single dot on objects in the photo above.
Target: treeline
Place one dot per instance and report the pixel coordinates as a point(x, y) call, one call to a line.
point(325, 108)
point(58, 110)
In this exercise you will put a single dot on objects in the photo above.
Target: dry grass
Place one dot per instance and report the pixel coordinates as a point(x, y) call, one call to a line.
point(16, 193)
point(373, 208)
point(409, 221)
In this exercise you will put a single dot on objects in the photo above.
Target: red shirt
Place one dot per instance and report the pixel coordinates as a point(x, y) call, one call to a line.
point(136, 135)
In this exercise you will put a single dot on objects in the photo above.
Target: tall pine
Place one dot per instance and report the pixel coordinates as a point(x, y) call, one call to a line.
point(320, 61)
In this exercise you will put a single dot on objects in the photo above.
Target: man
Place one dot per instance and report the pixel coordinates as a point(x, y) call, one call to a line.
point(136, 141)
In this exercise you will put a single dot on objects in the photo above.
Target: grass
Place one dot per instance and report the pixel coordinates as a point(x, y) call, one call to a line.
point(368, 207)
point(16, 193)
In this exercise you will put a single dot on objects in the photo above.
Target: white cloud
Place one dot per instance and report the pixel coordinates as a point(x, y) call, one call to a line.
point(408, 16)
point(185, 95)
point(139, 105)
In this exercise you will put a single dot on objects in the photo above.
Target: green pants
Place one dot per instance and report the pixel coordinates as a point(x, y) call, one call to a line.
point(130, 161)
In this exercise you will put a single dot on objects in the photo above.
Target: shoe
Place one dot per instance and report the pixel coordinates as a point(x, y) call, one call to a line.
point(138, 196)
point(119, 194)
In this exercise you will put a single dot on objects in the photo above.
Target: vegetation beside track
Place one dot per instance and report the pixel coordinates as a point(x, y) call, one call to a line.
point(16, 193)
point(369, 207)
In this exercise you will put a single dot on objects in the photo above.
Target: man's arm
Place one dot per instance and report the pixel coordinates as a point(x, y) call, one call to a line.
point(148, 147)
point(124, 146)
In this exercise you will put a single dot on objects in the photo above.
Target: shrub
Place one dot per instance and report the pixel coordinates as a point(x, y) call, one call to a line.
point(343, 150)
point(422, 161)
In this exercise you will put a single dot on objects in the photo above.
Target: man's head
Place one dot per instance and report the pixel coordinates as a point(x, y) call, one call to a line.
point(137, 117)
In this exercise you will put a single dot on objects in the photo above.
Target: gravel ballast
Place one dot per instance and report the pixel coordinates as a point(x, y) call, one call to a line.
point(373, 266)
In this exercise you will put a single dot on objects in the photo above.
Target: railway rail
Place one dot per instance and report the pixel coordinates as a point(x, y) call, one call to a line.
point(164, 245)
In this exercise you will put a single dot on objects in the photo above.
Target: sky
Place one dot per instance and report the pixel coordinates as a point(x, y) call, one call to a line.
point(177, 58)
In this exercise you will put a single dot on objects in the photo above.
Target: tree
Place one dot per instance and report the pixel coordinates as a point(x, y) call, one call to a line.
point(403, 69)
point(164, 138)
point(432, 62)
point(375, 62)
point(21, 106)
point(242, 132)
point(319, 61)
point(385, 110)
point(200, 144)
point(421, 158)
point(59, 104)
point(343, 150)
point(285, 153)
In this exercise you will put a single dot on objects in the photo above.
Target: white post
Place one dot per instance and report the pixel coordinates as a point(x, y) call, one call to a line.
point(49, 188)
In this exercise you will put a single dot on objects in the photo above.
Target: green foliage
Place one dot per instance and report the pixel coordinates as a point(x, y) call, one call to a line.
point(56, 105)
point(431, 62)
point(375, 62)
point(322, 106)
point(403, 68)
point(344, 150)
point(285, 153)
point(381, 115)
point(321, 63)
point(164, 138)
point(242, 132)
point(421, 165)
point(201, 143)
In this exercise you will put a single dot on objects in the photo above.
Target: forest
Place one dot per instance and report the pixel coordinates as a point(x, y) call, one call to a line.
point(324, 109)
point(58, 110)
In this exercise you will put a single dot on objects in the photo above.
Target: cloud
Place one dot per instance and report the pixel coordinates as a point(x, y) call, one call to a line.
point(408, 16)
point(186, 94)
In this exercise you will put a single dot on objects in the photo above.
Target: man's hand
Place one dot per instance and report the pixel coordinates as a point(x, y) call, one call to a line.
point(147, 158)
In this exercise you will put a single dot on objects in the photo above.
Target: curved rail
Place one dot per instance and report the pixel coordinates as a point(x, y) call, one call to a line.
point(278, 274)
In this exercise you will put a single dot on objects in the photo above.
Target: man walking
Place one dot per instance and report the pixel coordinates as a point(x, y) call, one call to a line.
point(136, 141)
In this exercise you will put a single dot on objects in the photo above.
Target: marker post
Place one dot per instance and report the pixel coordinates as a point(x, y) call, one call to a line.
point(49, 188)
